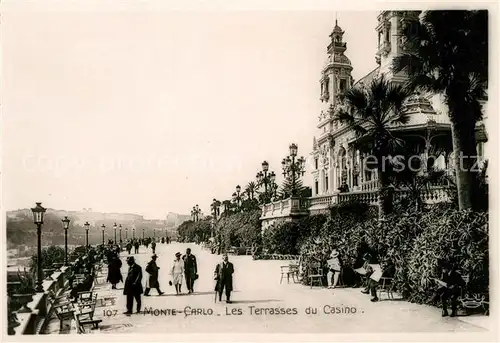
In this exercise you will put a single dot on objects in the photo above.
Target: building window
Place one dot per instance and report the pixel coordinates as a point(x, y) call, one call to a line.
point(326, 183)
point(342, 85)
point(316, 187)
point(316, 163)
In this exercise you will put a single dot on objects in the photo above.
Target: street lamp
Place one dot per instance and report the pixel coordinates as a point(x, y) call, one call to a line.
point(126, 233)
point(103, 227)
point(133, 233)
point(120, 226)
point(293, 169)
point(38, 212)
point(267, 179)
point(114, 227)
point(142, 233)
point(87, 226)
point(65, 223)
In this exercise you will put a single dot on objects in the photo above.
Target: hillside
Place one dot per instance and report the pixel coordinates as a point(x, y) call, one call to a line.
point(22, 231)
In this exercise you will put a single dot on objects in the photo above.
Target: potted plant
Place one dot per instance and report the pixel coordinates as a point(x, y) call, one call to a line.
point(25, 291)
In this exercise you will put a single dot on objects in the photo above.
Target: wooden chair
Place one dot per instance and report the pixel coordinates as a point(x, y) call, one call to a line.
point(64, 312)
point(316, 274)
point(386, 285)
point(82, 322)
point(289, 270)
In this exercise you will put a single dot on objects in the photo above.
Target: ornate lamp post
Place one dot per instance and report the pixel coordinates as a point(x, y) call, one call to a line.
point(142, 233)
point(65, 223)
point(120, 227)
point(87, 226)
point(38, 212)
point(293, 169)
point(114, 227)
point(103, 227)
point(267, 179)
point(133, 233)
point(154, 233)
point(126, 233)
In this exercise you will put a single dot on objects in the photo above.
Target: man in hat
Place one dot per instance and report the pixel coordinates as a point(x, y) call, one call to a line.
point(449, 287)
point(334, 269)
point(152, 282)
point(177, 273)
point(224, 276)
point(133, 285)
point(190, 270)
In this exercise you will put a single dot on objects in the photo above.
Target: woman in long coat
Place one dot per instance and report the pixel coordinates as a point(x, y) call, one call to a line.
point(114, 273)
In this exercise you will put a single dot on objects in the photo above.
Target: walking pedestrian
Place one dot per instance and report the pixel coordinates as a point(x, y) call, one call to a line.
point(224, 276)
point(177, 272)
point(133, 285)
point(152, 282)
point(190, 270)
point(114, 273)
point(153, 246)
point(136, 246)
point(129, 247)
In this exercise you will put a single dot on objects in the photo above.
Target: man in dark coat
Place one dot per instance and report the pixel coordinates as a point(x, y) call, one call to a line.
point(114, 273)
point(136, 246)
point(190, 270)
point(153, 246)
point(133, 285)
point(152, 269)
point(224, 276)
point(449, 287)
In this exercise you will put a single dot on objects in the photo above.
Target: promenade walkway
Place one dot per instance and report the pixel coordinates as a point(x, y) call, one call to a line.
point(257, 290)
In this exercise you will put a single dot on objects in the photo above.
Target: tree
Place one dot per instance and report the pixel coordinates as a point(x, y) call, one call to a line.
point(446, 52)
point(371, 113)
point(250, 190)
point(288, 187)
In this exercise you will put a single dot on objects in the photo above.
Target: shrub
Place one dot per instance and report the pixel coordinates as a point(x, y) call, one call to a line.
point(239, 229)
point(50, 255)
point(413, 242)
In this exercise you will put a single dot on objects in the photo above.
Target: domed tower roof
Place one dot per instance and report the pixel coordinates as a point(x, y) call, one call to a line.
point(337, 47)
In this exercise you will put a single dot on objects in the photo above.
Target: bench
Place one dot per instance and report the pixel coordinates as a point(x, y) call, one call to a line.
point(64, 312)
point(81, 323)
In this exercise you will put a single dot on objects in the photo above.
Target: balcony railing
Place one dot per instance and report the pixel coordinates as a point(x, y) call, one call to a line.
point(288, 207)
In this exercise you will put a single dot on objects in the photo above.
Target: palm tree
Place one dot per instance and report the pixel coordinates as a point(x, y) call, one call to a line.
point(215, 207)
point(371, 113)
point(227, 207)
point(250, 190)
point(446, 52)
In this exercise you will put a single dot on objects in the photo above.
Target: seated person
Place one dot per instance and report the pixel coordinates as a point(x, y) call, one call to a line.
point(449, 287)
point(334, 269)
point(388, 270)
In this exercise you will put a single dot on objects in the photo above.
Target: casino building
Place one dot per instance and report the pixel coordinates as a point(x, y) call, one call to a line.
point(337, 161)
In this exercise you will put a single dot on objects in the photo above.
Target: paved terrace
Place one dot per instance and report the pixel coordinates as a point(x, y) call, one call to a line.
point(257, 287)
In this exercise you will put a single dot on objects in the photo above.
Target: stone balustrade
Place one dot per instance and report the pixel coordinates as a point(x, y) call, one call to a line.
point(313, 205)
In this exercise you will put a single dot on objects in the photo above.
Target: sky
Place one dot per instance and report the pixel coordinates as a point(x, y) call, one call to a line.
point(154, 112)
